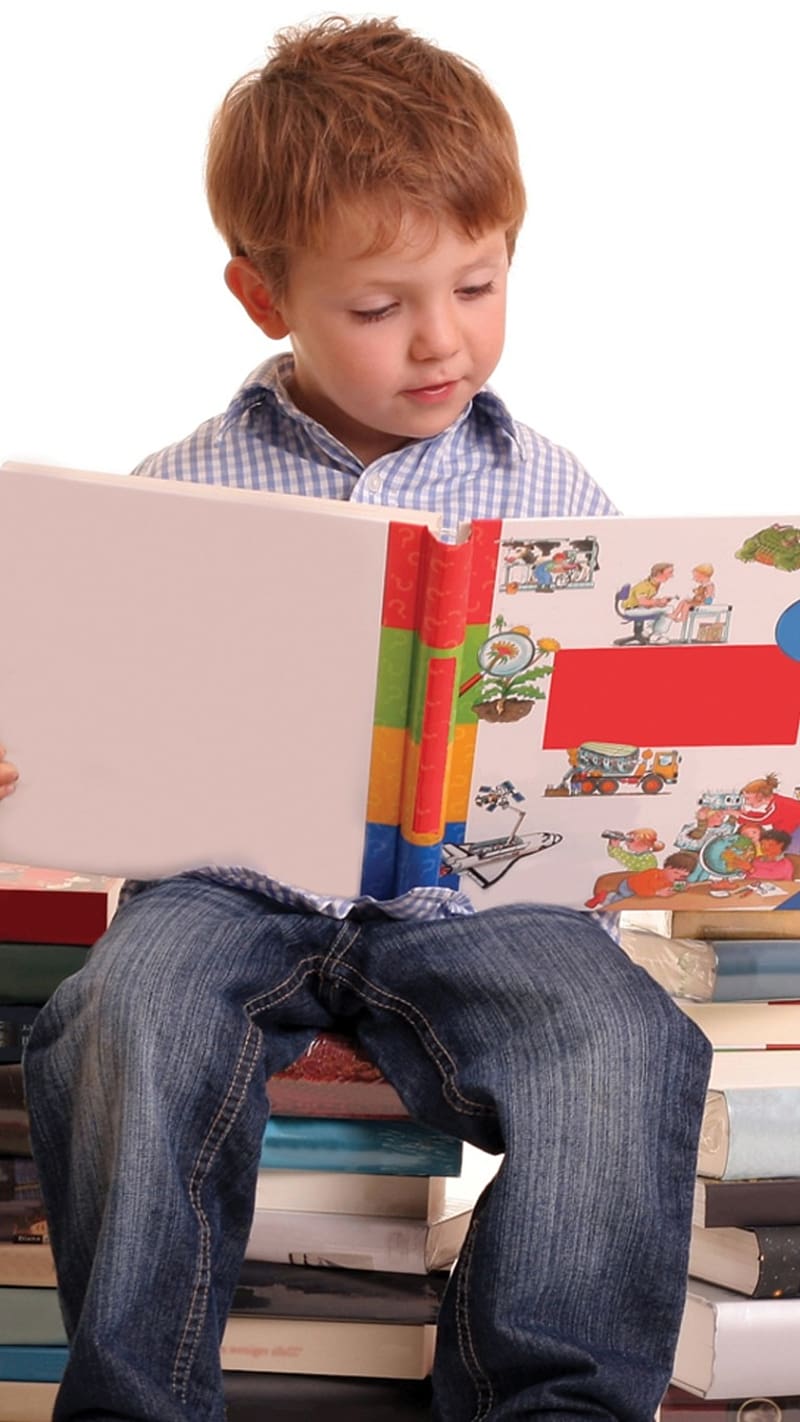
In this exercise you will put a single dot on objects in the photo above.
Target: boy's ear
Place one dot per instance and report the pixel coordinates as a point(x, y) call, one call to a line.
point(244, 279)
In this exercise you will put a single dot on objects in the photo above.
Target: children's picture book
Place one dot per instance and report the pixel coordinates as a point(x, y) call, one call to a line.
point(591, 712)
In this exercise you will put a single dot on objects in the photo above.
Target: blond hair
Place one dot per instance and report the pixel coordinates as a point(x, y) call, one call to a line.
point(362, 115)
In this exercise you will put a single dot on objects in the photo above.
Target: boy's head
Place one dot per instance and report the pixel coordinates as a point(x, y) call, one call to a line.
point(364, 118)
point(368, 186)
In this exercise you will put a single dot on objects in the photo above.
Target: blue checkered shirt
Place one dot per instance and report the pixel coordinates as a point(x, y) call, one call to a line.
point(484, 465)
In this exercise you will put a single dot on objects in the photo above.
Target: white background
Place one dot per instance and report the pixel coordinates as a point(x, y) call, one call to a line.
point(655, 302)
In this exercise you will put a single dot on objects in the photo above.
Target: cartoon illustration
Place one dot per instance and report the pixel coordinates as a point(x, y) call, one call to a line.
point(762, 805)
point(548, 564)
point(694, 618)
point(511, 668)
point(604, 767)
point(642, 883)
point(702, 594)
point(486, 861)
point(776, 547)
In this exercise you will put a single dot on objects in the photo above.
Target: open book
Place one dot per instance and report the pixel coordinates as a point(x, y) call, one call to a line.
point(572, 711)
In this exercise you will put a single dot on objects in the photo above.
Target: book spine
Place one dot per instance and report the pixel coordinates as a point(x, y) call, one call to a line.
point(374, 1147)
point(432, 592)
point(721, 1204)
point(763, 1133)
point(50, 916)
point(351, 1241)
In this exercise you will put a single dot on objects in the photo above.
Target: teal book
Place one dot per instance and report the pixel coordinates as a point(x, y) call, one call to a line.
point(364, 1146)
point(767, 969)
point(32, 1363)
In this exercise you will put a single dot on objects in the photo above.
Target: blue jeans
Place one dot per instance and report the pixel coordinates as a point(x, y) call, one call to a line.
point(522, 1029)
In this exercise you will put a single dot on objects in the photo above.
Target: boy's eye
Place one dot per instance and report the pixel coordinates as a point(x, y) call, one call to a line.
point(470, 292)
point(378, 314)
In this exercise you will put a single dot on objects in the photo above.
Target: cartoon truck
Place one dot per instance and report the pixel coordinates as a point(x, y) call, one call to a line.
point(601, 767)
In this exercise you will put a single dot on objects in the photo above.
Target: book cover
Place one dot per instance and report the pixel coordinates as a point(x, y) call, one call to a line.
point(16, 1020)
point(360, 1241)
point(327, 1346)
point(488, 698)
point(54, 905)
point(31, 1362)
point(31, 972)
point(374, 1147)
point(23, 1221)
point(27, 1401)
point(301, 1291)
point(18, 1178)
point(747, 1024)
point(756, 968)
point(756, 1201)
point(340, 1192)
point(15, 1138)
point(762, 1262)
point(680, 1406)
point(31, 1315)
point(334, 1077)
point(27, 1264)
point(723, 924)
point(750, 1131)
point(252, 1397)
point(731, 1346)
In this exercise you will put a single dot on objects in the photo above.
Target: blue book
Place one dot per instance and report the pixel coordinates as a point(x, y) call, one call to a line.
point(30, 1363)
point(766, 969)
point(360, 1146)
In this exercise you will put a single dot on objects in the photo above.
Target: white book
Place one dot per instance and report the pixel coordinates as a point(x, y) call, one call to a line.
point(339, 1192)
point(311, 1345)
point(747, 1024)
point(734, 1346)
point(749, 1132)
point(403, 1246)
point(731, 1067)
point(27, 1401)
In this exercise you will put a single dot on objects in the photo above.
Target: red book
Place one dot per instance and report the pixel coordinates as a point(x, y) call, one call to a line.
point(334, 1077)
point(54, 905)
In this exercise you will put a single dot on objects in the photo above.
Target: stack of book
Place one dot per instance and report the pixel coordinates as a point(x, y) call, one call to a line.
point(354, 1230)
point(48, 921)
point(680, 1406)
point(353, 1237)
point(738, 1341)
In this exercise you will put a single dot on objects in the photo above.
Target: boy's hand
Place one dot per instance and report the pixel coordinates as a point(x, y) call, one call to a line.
point(8, 775)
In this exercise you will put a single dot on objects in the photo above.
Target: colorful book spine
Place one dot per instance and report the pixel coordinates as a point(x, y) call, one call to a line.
point(374, 1147)
point(437, 604)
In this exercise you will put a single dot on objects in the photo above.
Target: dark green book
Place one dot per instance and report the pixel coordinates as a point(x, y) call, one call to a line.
point(31, 972)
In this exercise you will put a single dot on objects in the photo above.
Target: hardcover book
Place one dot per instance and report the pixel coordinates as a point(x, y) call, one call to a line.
point(731, 1346)
point(762, 1262)
point(362, 1295)
point(359, 1193)
point(747, 1025)
point(754, 1201)
point(328, 1346)
point(252, 1397)
point(750, 1131)
point(54, 905)
point(400, 1246)
point(756, 968)
point(680, 1406)
point(334, 1077)
point(371, 1147)
point(526, 709)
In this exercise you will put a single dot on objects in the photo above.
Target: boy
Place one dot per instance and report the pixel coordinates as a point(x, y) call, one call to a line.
point(368, 187)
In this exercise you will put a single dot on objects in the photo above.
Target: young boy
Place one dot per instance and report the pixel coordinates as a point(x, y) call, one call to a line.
point(368, 186)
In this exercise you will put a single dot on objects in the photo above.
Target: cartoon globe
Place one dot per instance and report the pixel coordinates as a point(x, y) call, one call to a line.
point(712, 855)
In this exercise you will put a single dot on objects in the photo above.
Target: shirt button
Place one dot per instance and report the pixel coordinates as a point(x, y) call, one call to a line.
point(374, 482)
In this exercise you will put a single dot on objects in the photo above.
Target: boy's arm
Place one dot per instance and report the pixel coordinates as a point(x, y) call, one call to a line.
point(8, 775)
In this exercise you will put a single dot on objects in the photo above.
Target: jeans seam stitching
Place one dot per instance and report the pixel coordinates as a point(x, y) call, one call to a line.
point(466, 1344)
point(284, 989)
point(440, 1056)
point(218, 1129)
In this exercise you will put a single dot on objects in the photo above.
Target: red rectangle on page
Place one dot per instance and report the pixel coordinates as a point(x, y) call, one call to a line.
point(673, 696)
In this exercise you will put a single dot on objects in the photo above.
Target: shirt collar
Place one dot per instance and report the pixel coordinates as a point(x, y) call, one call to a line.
point(269, 380)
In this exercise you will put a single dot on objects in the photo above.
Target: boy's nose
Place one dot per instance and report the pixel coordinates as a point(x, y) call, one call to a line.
point(435, 336)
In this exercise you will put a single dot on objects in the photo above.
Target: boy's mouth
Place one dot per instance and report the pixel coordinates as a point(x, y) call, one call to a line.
point(432, 394)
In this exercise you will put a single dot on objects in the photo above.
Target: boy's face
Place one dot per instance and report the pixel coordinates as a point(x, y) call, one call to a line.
point(391, 347)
